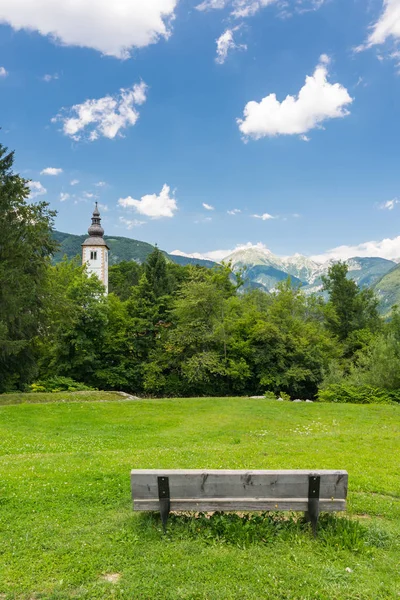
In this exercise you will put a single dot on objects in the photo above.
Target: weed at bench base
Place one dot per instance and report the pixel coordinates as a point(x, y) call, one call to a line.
point(336, 532)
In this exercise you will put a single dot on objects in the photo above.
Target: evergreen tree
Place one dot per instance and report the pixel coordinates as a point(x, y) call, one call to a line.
point(25, 247)
point(349, 309)
point(157, 275)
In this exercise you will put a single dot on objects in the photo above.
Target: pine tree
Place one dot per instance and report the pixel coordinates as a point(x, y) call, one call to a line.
point(349, 309)
point(157, 273)
point(25, 247)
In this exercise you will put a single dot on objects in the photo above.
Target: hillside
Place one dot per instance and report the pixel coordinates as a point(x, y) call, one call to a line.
point(121, 248)
point(388, 290)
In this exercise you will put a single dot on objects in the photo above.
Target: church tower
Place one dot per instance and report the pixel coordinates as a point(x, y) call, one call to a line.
point(95, 250)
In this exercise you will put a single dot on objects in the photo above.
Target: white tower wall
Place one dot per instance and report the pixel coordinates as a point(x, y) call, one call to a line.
point(96, 259)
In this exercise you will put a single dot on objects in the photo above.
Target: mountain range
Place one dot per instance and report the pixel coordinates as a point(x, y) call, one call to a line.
point(259, 266)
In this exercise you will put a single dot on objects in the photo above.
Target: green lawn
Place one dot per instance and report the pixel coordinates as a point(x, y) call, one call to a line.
point(67, 529)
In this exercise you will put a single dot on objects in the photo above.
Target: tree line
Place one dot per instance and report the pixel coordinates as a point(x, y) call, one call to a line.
point(169, 330)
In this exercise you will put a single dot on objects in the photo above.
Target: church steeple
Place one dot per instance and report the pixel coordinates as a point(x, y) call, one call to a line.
point(95, 249)
point(95, 229)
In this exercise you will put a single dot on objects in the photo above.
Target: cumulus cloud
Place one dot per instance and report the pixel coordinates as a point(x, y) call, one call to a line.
point(51, 171)
point(64, 197)
point(234, 211)
point(317, 101)
point(226, 43)
point(131, 223)
point(100, 184)
point(74, 182)
point(390, 204)
point(112, 27)
point(152, 205)
point(208, 206)
point(264, 217)
point(104, 117)
point(3, 72)
point(388, 248)
point(103, 207)
point(89, 195)
point(37, 189)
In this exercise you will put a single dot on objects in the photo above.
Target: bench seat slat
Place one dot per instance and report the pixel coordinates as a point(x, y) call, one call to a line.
point(245, 504)
point(273, 486)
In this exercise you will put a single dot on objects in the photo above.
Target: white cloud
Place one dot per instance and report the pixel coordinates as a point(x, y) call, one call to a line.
point(152, 205)
point(51, 171)
point(390, 204)
point(203, 220)
point(212, 4)
point(100, 184)
point(219, 255)
point(37, 189)
point(317, 101)
point(234, 211)
point(239, 8)
point(74, 182)
point(305, 138)
point(89, 195)
point(248, 8)
point(103, 207)
point(225, 43)
point(47, 78)
point(64, 197)
point(208, 206)
point(111, 27)
point(387, 248)
point(105, 116)
point(130, 223)
point(264, 217)
point(3, 72)
point(387, 26)
point(194, 255)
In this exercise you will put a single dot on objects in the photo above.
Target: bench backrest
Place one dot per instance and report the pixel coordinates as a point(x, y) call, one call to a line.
point(237, 490)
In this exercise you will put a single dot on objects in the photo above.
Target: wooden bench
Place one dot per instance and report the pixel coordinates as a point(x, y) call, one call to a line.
point(177, 490)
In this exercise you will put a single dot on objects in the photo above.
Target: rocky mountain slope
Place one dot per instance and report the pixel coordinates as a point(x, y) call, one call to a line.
point(255, 261)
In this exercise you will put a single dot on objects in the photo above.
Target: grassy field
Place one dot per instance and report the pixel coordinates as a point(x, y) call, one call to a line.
point(67, 529)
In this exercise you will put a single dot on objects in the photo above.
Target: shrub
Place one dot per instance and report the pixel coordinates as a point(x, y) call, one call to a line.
point(363, 394)
point(284, 396)
point(270, 396)
point(59, 384)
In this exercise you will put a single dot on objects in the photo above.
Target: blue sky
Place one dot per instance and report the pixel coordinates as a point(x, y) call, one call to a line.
point(194, 127)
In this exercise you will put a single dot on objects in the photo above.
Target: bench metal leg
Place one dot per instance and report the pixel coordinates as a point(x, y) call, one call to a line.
point(164, 498)
point(312, 514)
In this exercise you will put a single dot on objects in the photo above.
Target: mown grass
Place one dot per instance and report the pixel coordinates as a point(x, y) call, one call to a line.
point(67, 529)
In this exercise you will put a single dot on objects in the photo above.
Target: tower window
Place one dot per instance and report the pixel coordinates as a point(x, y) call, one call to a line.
point(93, 255)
